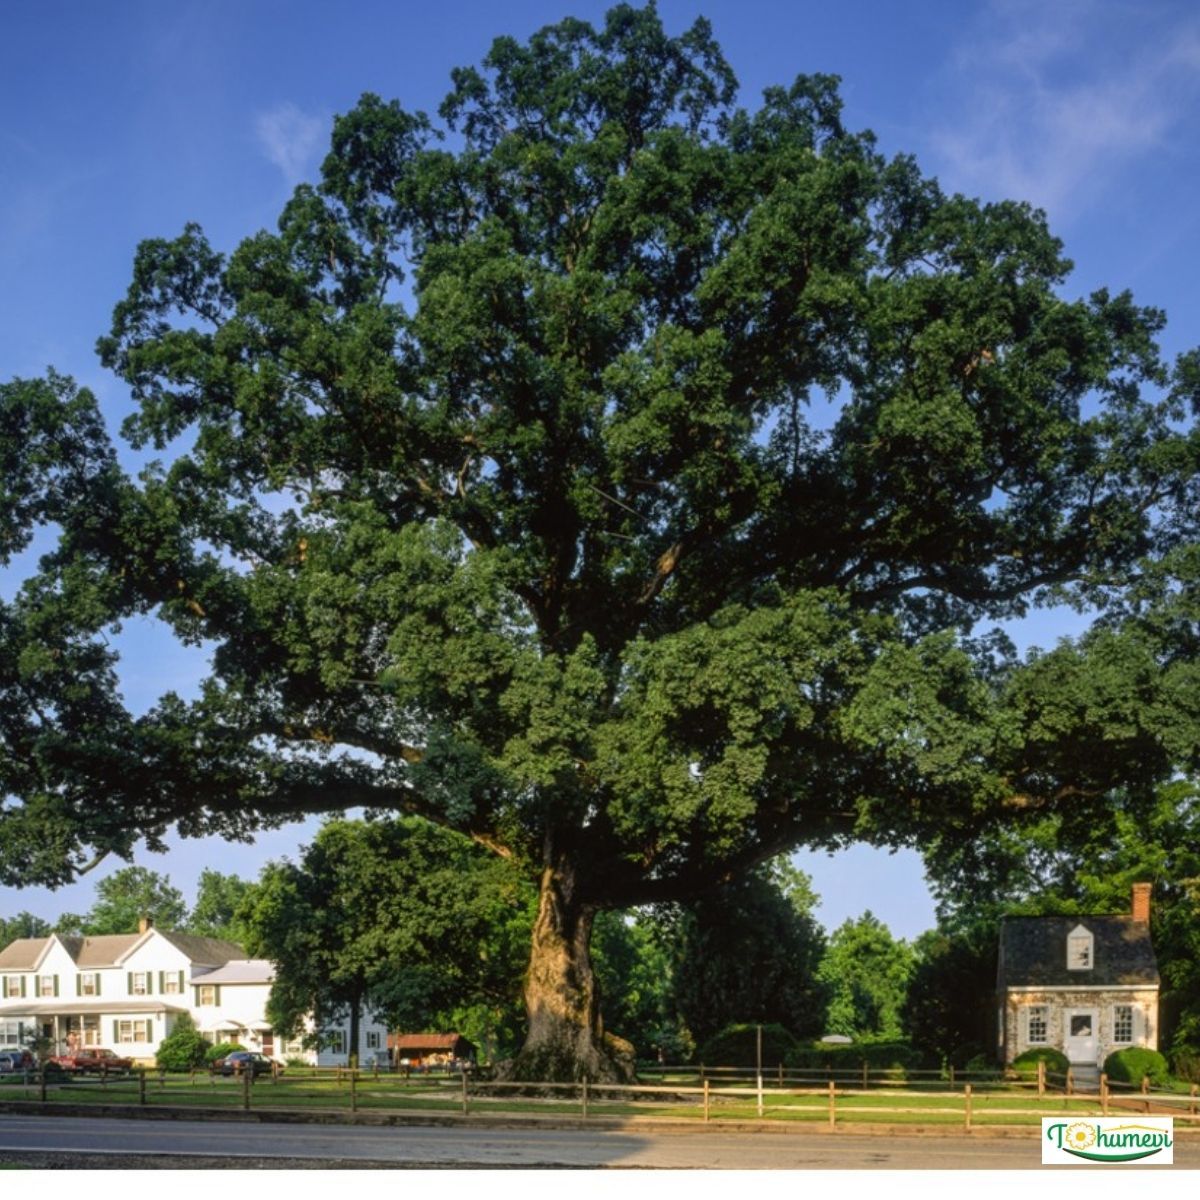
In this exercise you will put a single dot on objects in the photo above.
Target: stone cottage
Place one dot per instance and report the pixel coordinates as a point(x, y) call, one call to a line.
point(1084, 985)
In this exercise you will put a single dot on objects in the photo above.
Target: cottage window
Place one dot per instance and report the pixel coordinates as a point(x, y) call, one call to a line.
point(14, 985)
point(1079, 949)
point(133, 1031)
point(1123, 1024)
point(47, 985)
point(89, 984)
point(335, 1040)
point(373, 1041)
point(206, 995)
point(139, 983)
point(1037, 1025)
point(172, 982)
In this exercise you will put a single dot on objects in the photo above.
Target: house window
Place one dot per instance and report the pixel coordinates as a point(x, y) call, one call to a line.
point(1079, 949)
point(13, 986)
point(47, 985)
point(206, 996)
point(89, 985)
point(335, 1040)
point(171, 983)
point(133, 1031)
point(139, 983)
point(85, 1029)
point(373, 1041)
point(1037, 1024)
point(1123, 1024)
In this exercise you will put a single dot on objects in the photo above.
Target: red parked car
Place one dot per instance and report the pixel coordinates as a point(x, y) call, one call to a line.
point(95, 1059)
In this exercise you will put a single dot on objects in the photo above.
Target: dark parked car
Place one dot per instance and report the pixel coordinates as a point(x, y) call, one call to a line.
point(14, 1059)
point(241, 1061)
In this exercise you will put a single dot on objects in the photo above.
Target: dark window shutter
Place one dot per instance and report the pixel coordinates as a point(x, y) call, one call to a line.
point(217, 995)
point(97, 977)
point(129, 981)
point(56, 985)
point(116, 1033)
point(181, 983)
point(22, 986)
point(4, 987)
point(149, 983)
point(78, 984)
point(161, 989)
point(37, 985)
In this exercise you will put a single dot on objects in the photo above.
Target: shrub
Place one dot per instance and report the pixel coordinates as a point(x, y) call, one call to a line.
point(1185, 1063)
point(1129, 1066)
point(221, 1049)
point(737, 1046)
point(183, 1048)
point(893, 1056)
point(982, 1067)
point(1056, 1062)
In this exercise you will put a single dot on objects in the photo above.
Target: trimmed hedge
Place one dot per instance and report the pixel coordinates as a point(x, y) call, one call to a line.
point(736, 1046)
point(1056, 1062)
point(892, 1056)
point(1129, 1066)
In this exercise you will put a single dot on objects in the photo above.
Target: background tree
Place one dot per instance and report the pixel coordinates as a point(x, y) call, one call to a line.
point(23, 925)
point(866, 973)
point(949, 1008)
point(218, 899)
point(123, 899)
point(750, 951)
point(401, 918)
point(501, 504)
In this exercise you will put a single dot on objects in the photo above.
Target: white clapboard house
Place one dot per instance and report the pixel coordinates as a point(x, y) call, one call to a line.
point(126, 991)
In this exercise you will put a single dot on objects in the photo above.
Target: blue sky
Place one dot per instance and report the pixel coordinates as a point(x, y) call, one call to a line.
point(125, 121)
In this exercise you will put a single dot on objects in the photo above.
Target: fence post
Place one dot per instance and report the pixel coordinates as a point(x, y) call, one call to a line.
point(42, 1082)
point(1070, 1082)
point(701, 1072)
point(1192, 1106)
point(781, 1074)
point(353, 1089)
point(758, 1079)
point(706, 1099)
point(967, 1105)
point(832, 1105)
point(866, 1075)
point(1104, 1093)
point(141, 1085)
point(464, 1092)
point(951, 1076)
point(246, 1077)
point(1041, 1076)
point(192, 1075)
point(1145, 1084)
point(162, 1077)
point(375, 1069)
point(585, 1099)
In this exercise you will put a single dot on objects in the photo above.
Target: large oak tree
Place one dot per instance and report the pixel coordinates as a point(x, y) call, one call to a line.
point(603, 470)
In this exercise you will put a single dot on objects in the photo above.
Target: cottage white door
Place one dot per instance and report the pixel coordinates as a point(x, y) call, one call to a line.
point(1082, 1041)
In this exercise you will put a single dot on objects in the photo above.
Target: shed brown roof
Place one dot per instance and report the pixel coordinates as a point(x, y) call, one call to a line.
point(423, 1041)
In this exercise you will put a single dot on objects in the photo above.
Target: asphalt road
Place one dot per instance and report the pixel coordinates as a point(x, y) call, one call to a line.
point(477, 1147)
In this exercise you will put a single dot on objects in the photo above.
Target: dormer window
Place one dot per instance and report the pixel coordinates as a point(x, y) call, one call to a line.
point(1079, 949)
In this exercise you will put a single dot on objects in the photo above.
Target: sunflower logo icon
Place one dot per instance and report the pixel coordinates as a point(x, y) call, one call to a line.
point(1081, 1135)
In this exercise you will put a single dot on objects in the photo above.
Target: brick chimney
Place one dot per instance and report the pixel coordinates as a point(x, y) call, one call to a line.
point(1141, 902)
point(145, 923)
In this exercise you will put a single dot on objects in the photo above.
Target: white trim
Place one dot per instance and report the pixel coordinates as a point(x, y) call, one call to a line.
point(1085, 987)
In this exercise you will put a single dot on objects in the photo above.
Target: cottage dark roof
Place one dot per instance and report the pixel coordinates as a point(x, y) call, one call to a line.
point(1033, 952)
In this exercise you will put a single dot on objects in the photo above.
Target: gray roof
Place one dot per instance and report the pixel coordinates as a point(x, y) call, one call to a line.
point(244, 970)
point(211, 952)
point(1033, 952)
point(75, 1006)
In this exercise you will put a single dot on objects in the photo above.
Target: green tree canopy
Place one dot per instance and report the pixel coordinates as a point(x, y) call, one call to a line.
point(400, 918)
point(124, 899)
point(866, 973)
point(750, 951)
point(218, 898)
point(23, 925)
point(602, 470)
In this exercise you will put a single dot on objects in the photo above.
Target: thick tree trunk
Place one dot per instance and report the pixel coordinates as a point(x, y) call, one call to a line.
point(566, 1037)
point(355, 1014)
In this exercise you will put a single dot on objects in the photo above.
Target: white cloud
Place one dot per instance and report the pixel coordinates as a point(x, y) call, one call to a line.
point(289, 138)
point(1054, 100)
